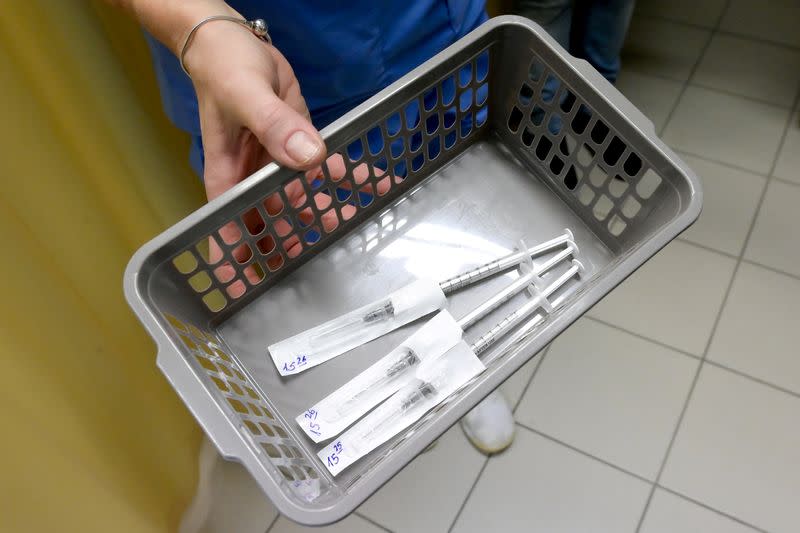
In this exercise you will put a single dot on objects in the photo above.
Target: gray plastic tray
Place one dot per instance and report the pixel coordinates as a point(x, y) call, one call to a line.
point(483, 164)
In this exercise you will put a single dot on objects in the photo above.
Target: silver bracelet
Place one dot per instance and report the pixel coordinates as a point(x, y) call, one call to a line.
point(258, 27)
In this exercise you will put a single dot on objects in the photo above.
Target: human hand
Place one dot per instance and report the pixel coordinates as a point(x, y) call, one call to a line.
point(250, 106)
point(251, 113)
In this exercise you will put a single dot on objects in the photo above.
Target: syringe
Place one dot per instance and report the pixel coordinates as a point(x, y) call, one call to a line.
point(332, 332)
point(407, 360)
point(413, 394)
point(404, 305)
point(420, 390)
point(526, 329)
point(385, 310)
point(516, 287)
point(504, 263)
point(514, 319)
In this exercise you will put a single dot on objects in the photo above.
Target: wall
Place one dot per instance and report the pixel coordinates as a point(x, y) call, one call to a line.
point(94, 439)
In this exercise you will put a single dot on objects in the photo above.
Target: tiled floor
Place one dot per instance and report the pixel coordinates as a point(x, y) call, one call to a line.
point(675, 405)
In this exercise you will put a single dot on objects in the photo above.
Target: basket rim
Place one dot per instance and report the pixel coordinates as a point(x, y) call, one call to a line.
point(236, 448)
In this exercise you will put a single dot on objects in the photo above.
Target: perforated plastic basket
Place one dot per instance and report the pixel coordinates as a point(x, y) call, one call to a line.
point(501, 136)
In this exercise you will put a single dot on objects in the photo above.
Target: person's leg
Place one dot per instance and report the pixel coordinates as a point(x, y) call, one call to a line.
point(598, 32)
point(555, 16)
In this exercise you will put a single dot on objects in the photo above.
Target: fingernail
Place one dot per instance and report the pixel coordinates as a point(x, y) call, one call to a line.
point(302, 147)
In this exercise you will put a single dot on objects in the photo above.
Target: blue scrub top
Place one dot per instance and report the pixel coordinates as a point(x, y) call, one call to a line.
point(341, 52)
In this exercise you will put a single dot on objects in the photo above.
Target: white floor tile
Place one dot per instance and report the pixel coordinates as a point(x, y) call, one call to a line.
point(351, 524)
point(775, 241)
point(610, 394)
point(674, 298)
point(663, 48)
point(727, 128)
point(730, 197)
point(427, 494)
point(756, 331)
point(750, 68)
point(514, 386)
point(773, 20)
point(540, 486)
point(738, 451)
point(655, 97)
point(788, 165)
point(672, 514)
point(699, 12)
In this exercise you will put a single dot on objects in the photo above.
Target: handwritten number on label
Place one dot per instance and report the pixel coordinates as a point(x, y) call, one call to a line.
point(291, 366)
point(333, 459)
point(313, 427)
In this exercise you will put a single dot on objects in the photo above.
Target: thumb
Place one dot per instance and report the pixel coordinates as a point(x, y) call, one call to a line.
point(288, 136)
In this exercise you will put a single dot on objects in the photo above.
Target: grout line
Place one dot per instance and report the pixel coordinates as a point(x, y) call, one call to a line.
point(722, 305)
point(666, 18)
point(772, 269)
point(760, 40)
point(787, 182)
point(770, 103)
point(682, 151)
point(736, 257)
point(519, 400)
point(693, 356)
point(671, 113)
point(272, 524)
point(643, 337)
point(641, 478)
point(696, 377)
point(533, 375)
point(689, 77)
point(469, 494)
point(709, 508)
point(707, 248)
point(637, 476)
point(739, 373)
point(655, 75)
point(688, 83)
point(373, 522)
point(669, 446)
point(584, 453)
point(544, 353)
point(676, 81)
point(720, 31)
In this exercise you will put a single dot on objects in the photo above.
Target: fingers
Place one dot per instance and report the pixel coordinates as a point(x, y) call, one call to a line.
point(231, 153)
point(287, 135)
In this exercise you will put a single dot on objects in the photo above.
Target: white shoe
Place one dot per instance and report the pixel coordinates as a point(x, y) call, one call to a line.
point(490, 424)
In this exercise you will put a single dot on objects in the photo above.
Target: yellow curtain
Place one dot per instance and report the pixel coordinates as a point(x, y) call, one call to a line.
point(93, 437)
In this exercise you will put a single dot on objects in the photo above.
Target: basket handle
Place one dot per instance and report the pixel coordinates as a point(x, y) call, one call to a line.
point(617, 98)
